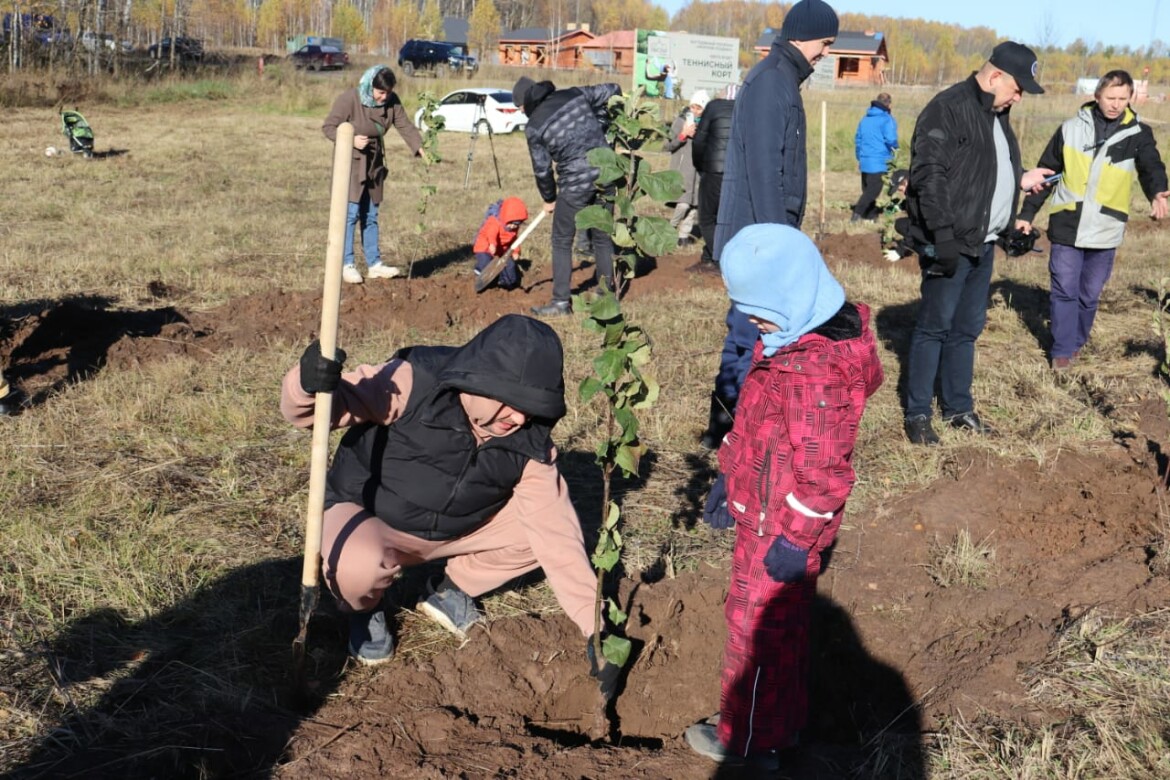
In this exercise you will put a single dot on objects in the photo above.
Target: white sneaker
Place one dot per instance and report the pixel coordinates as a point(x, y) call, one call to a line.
point(351, 275)
point(382, 271)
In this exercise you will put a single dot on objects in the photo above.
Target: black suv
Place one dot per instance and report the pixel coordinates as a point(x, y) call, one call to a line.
point(437, 56)
point(185, 49)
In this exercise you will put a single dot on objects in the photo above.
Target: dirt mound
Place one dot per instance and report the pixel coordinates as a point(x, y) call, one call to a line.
point(517, 695)
point(862, 249)
point(888, 638)
point(48, 344)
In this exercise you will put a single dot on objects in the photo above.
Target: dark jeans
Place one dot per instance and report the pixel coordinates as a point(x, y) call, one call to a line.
point(508, 277)
point(709, 186)
point(736, 358)
point(871, 187)
point(951, 316)
point(1078, 276)
point(564, 228)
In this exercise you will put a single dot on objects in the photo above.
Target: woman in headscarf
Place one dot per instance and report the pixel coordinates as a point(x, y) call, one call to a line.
point(371, 108)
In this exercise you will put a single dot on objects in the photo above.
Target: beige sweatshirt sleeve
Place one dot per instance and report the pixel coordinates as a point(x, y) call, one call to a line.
point(368, 394)
point(554, 533)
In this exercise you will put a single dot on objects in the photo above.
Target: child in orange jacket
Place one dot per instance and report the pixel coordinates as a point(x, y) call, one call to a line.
point(494, 240)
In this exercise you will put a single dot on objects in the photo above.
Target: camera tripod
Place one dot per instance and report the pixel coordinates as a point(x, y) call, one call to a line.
point(478, 117)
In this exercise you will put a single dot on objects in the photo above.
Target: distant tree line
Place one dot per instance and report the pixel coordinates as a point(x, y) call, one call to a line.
point(921, 51)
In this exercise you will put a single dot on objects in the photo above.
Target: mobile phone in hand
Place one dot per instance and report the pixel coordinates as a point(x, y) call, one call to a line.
point(1053, 179)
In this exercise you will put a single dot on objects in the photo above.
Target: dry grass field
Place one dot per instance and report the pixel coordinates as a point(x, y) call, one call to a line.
point(1011, 589)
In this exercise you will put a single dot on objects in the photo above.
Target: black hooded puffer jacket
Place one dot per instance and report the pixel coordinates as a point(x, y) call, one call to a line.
point(563, 125)
point(424, 474)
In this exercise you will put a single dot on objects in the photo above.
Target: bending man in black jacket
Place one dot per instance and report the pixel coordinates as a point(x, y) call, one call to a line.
point(709, 153)
point(965, 180)
point(563, 125)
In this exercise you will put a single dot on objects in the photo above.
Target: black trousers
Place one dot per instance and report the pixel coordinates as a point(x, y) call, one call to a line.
point(564, 228)
point(709, 186)
point(871, 187)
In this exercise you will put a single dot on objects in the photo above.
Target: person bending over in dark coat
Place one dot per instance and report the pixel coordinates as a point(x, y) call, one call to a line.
point(563, 126)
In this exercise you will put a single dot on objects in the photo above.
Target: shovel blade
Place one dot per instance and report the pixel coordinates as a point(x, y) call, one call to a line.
point(484, 278)
point(309, 597)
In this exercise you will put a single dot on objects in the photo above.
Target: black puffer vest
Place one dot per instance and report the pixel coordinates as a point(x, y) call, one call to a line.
point(424, 474)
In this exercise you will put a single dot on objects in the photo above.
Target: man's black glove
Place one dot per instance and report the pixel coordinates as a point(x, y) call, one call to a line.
point(715, 513)
point(607, 675)
point(946, 259)
point(319, 374)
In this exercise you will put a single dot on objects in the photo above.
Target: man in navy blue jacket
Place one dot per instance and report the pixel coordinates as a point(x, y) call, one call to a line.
point(875, 143)
point(765, 178)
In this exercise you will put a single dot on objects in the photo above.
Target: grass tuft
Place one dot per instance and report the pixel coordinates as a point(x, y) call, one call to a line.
point(961, 562)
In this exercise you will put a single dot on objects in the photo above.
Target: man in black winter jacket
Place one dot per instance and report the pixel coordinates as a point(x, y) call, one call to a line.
point(563, 126)
point(965, 181)
point(765, 175)
point(709, 154)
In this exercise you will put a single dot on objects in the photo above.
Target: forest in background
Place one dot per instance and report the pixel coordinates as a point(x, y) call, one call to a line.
point(921, 52)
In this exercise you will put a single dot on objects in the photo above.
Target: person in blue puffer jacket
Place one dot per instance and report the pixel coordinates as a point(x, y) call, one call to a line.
point(876, 141)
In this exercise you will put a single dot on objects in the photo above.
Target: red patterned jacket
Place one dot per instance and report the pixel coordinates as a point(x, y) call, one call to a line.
point(788, 458)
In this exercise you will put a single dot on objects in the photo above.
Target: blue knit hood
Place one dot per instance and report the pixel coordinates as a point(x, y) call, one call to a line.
point(776, 273)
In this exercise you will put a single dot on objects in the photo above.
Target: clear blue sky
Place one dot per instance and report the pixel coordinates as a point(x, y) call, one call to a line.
point(1122, 22)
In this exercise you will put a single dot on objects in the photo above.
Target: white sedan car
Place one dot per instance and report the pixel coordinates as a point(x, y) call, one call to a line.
point(480, 107)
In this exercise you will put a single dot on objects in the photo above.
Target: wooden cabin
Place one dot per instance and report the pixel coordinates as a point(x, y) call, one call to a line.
point(540, 47)
point(859, 57)
point(611, 53)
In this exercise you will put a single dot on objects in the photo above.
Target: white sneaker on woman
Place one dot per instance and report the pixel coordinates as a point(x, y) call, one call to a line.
point(382, 271)
point(351, 275)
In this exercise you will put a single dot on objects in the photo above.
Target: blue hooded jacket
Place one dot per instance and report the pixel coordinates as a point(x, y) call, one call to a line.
point(876, 139)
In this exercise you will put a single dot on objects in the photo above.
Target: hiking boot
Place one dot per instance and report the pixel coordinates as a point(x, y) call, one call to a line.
point(704, 740)
point(971, 422)
point(351, 275)
point(382, 271)
point(370, 640)
point(451, 608)
point(553, 309)
point(919, 430)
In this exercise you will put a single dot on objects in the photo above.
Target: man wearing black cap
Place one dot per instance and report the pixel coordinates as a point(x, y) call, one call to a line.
point(765, 175)
point(563, 125)
point(964, 189)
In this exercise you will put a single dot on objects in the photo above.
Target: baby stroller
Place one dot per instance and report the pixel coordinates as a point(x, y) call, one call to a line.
point(79, 133)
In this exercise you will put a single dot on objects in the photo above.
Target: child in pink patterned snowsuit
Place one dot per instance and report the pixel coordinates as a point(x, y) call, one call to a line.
point(787, 473)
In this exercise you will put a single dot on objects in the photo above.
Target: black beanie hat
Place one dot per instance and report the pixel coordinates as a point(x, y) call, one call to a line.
point(520, 90)
point(809, 20)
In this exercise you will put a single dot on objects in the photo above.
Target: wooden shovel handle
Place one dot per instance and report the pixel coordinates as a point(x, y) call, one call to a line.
point(330, 305)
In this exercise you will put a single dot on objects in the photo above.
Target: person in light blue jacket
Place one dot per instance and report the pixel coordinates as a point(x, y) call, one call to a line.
point(876, 141)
